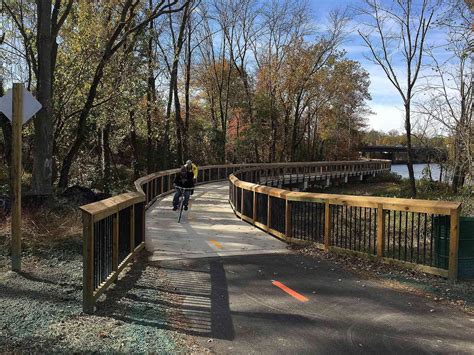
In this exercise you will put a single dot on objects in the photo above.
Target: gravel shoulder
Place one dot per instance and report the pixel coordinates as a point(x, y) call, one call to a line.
point(41, 310)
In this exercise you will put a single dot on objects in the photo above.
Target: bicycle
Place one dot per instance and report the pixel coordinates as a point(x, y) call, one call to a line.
point(181, 200)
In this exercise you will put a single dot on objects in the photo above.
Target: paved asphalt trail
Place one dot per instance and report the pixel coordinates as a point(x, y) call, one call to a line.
point(247, 302)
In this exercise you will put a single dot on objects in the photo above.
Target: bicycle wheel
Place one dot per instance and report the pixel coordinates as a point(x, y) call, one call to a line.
point(181, 206)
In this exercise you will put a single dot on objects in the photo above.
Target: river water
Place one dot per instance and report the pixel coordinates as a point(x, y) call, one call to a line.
point(402, 169)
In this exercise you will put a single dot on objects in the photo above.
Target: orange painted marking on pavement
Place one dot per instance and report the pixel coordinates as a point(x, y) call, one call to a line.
point(289, 291)
point(216, 244)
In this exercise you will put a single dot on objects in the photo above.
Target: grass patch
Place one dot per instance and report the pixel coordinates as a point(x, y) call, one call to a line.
point(52, 231)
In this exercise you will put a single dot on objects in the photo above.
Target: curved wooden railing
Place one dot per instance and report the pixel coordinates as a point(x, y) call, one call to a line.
point(418, 233)
point(114, 229)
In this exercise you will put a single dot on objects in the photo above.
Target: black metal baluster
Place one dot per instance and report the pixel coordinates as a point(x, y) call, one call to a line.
point(308, 220)
point(399, 234)
point(353, 226)
point(361, 235)
point(346, 235)
point(370, 225)
point(322, 220)
point(334, 222)
point(418, 239)
point(431, 236)
point(424, 237)
point(338, 211)
point(406, 235)
point(388, 232)
point(294, 213)
point(375, 230)
point(412, 235)
point(365, 228)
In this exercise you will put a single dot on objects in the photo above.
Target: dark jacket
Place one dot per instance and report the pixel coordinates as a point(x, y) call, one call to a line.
point(184, 180)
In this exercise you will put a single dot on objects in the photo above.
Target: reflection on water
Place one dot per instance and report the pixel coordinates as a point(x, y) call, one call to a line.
point(402, 169)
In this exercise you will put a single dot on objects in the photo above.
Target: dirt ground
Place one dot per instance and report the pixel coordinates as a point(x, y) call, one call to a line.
point(41, 310)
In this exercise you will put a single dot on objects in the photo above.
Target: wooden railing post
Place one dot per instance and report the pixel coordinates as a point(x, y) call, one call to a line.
point(453, 245)
point(287, 219)
point(327, 225)
point(88, 263)
point(16, 173)
point(380, 230)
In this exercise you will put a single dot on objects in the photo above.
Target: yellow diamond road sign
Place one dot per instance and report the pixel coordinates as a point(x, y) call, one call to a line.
point(30, 105)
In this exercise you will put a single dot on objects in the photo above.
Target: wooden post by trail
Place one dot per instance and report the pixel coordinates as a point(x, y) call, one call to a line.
point(453, 245)
point(17, 123)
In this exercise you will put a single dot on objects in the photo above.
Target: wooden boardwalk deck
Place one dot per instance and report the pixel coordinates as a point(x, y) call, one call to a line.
point(208, 229)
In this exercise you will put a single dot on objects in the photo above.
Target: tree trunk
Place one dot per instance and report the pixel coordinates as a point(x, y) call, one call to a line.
point(179, 124)
point(294, 133)
point(81, 130)
point(165, 151)
point(274, 132)
point(104, 134)
point(187, 84)
point(150, 104)
point(411, 173)
point(134, 144)
point(43, 122)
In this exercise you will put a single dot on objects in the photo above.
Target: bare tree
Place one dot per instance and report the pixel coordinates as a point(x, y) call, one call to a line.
point(175, 48)
point(281, 23)
point(448, 102)
point(399, 29)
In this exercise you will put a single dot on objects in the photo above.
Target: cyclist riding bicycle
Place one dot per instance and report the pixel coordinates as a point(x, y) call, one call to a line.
point(184, 180)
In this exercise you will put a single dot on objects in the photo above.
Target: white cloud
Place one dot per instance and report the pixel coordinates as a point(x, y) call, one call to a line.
point(381, 88)
point(386, 117)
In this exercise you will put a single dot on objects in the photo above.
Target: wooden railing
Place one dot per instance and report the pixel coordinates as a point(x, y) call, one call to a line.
point(417, 233)
point(113, 233)
point(114, 229)
point(158, 184)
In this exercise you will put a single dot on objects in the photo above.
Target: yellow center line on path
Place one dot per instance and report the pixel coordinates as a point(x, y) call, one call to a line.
point(289, 291)
point(216, 244)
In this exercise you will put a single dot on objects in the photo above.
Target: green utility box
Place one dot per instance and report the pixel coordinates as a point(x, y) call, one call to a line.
point(441, 230)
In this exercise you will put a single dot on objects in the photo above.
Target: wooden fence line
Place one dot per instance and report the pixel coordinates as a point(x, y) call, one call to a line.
point(407, 227)
point(114, 229)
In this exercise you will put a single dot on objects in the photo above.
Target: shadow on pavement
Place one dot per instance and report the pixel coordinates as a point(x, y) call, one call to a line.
point(188, 301)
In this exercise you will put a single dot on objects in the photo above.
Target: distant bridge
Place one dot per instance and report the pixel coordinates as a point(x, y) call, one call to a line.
point(399, 153)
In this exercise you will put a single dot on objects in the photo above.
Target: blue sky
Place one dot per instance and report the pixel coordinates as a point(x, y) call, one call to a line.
point(386, 102)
